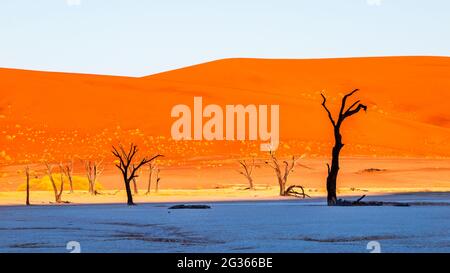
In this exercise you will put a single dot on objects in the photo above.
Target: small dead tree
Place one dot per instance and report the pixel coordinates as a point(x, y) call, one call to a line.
point(135, 180)
point(247, 171)
point(128, 166)
point(157, 170)
point(343, 114)
point(58, 192)
point(93, 170)
point(68, 171)
point(27, 173)
point(283, 173)
point(150, 169)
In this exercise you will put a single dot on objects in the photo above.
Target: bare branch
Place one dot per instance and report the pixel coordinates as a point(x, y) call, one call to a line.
point(354, 111)
point(142, 163)
point(328, 111)
point(344, 101)
point(353, 105)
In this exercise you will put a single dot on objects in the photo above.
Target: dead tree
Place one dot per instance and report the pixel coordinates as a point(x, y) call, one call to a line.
point(58, 192)
point(282, 173)
point(247, 171)
point(135, 188)
point(27, 173)
point(157, 179)
point(128, 166)
point(334, 168)
point(93, 170)
point(150, 169)
point(68, 171)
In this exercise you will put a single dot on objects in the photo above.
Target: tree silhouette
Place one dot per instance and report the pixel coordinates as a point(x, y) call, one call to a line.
point(343, 114)
point(68, 171)
point(157, 170)
point(151, 167)
point(57, 192)
point(135, 181)
point(27, 173)
point(128, 167)
point(93, 170)
point(247, 171)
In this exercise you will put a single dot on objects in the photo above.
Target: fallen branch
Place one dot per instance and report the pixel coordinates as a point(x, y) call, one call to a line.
point(346, 203)
point(291, 191)
point(190, 207)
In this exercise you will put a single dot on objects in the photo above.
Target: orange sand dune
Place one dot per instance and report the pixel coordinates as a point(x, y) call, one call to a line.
point(407, 97)
point(60, 115)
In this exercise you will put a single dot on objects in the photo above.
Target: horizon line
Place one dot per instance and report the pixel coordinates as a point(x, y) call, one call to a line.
point(221, 59)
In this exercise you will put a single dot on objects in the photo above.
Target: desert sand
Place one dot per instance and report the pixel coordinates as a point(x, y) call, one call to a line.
point(405, 133)
point(359, 176)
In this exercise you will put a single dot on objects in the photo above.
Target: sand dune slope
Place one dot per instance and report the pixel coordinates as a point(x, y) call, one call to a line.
point(60, 113)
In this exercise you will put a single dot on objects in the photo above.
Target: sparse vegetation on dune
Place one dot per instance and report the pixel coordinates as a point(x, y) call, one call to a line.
point(80, 183)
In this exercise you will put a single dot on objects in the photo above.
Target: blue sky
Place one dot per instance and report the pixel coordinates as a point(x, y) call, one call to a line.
point(137, 37)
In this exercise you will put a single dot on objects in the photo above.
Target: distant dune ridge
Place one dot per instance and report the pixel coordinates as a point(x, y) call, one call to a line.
point(407, 97)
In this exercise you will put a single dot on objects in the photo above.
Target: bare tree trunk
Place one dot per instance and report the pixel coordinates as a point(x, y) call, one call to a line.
point(88, 167)
point(27, 172)
point(61, 185)
point(247, 171)
point(150, 168)
point(69, 172)
point(58, 192)
point(129, 194)
point(92, 171)
point(52, 180)
point(135, 188)
point(157, 180)
point(282, 188)
point(135, 182)
point(334, 169)
point(250, 183)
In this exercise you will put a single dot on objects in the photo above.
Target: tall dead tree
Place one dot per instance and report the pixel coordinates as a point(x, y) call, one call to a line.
point(58, 192)
point(27, 173)
point(157, 179)
point(344, 113)
point(68, 171)
point(150, 169)
point(247, 171)
point(128, 166)
point(93, 170)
